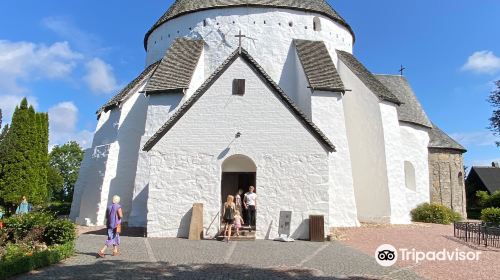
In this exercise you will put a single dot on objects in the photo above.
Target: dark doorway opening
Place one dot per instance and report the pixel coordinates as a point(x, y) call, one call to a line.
point(234, 181)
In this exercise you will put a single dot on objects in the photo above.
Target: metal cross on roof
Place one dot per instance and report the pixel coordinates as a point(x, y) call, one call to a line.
point(240, 37)
point(402, 69)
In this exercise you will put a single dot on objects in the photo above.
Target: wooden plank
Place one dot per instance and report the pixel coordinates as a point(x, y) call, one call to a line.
point(196, 227)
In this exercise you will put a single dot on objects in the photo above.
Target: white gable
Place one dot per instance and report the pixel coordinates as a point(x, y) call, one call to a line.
point(264, 121)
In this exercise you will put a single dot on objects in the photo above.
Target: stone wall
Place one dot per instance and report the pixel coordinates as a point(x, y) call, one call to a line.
point(447, 179)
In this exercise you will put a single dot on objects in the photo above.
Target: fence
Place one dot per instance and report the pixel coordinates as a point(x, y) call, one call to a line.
point(478, 233)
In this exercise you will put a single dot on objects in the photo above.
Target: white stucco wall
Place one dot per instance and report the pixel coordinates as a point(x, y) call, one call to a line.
point(160, 108)
point(395, 164)
point(365, 136)
point(130, 130)
point(269, 43)
point(292, 166)
point(415, 142)
point(107, 128)
point(100, 168)
point(81, 183)
point(198, 77)
point(328, 115)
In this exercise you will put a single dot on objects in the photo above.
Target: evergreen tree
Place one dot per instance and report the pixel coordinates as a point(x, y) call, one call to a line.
point(23, 160)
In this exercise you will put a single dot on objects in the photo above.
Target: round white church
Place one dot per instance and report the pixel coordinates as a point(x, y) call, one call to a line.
point(263, 93)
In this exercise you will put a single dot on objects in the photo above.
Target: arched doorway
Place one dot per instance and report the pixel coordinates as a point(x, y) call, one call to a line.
point(238, 172)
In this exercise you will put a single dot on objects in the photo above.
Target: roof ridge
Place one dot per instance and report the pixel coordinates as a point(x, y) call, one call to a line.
point(367, 77)
point(116, 100)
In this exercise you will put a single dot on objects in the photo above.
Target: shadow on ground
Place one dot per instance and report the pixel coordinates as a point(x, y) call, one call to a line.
point(116, 269)
point(127, 231)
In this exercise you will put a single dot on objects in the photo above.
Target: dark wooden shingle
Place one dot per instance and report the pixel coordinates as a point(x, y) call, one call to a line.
point(318, 66)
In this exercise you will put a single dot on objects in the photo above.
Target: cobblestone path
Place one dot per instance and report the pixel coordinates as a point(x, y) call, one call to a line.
point(148, 258)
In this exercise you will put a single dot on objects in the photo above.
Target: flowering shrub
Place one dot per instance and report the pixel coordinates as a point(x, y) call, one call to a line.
point(34, 240)
point(435, 214)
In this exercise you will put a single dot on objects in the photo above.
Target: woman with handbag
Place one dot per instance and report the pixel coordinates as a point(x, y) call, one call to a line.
point(114, 215)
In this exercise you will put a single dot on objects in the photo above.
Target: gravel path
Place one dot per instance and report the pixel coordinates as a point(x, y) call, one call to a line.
point(146, 258)
point(425, 237)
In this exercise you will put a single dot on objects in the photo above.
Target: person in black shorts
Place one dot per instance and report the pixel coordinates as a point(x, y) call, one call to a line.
point(228, 216)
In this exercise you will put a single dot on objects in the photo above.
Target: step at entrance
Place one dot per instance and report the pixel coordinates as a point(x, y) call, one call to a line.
point(245, 235)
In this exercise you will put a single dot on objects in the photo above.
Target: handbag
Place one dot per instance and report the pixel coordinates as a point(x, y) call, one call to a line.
point(119, 228)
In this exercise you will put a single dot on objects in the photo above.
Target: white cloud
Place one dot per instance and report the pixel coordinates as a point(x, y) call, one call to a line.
point(477, 138)
point(100, 77)
point(9, 102)
point(482, 62)
point(63, 119)
point(29, 61)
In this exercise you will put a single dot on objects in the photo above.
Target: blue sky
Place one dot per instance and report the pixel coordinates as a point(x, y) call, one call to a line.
point(69, 57)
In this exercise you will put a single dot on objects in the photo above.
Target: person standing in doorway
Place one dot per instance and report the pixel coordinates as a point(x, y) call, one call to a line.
point(250, 203)
point(239, 201)
point(114, 215)
point(24, 207)
point(229, 211)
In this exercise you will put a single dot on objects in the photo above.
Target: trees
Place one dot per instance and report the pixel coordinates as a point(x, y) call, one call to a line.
point(495, 119)
point(24, 157)
point(66, 159)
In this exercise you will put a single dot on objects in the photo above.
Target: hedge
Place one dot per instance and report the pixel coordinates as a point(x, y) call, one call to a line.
point(491, 215)
point(27, 263)
point(435, 214)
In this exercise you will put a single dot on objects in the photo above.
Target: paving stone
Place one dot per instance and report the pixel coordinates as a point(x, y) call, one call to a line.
point(184, 259)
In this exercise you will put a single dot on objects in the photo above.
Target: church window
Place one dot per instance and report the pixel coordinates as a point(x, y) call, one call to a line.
point(239, 87)
point(306, 26)
point(291, 24)
point(204, 22)
point(316, 24)
point(264, 22)
point(410, 177)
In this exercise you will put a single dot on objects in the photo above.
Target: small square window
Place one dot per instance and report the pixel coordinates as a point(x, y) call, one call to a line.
point(239, 87)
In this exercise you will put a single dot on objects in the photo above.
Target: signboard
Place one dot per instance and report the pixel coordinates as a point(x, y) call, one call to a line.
point(285, 223)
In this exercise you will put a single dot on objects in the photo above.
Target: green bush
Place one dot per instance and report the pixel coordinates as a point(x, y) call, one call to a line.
point(24, 240)
point(491, 215)
point(486, 200)
point(59, 232)
point(18, 227)
point(59, 208)
point(39, 227)
point(435, 214)
point(21, 262)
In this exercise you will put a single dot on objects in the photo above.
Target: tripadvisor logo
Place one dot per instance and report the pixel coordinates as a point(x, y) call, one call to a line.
point(387, 255)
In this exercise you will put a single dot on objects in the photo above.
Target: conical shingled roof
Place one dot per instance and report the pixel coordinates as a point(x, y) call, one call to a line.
point(182, 7)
